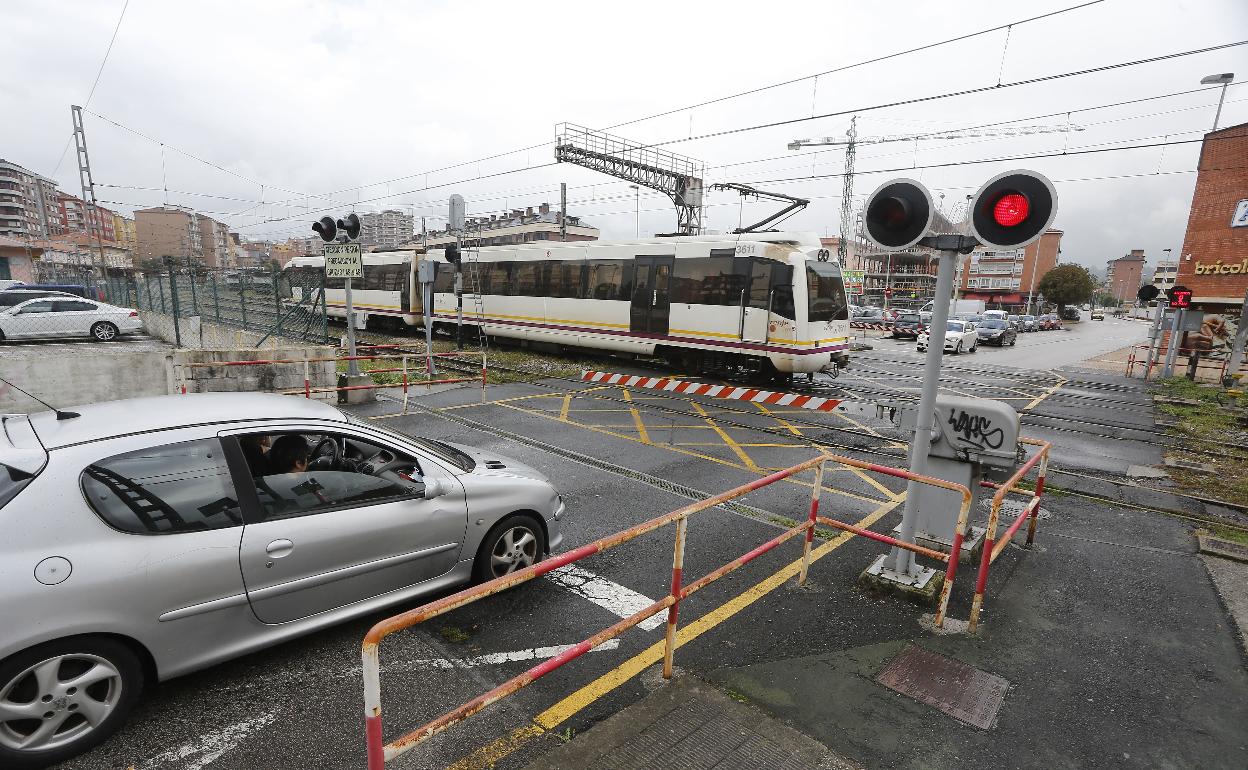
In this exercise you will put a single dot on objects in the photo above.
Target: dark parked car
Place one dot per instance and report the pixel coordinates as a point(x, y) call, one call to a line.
point(19, 294)
point(994, 331)
point(77, 289)
point(908, 325)
point(1070, 313)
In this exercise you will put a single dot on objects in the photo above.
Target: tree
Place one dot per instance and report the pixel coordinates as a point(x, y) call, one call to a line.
point(1067, 285)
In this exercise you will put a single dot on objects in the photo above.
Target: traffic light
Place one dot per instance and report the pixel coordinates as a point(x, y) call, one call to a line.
point(325, 228)
point(1147, 293)
point(1180, 296)
point(899, 214)
point(1013, 209)
point(350, 225)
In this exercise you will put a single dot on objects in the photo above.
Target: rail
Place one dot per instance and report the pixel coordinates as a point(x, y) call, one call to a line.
point(380, 752)
point(994, 547)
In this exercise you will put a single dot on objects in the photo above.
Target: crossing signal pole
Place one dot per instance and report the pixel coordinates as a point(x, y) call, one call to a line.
point(1011, 210)
point(343, 260)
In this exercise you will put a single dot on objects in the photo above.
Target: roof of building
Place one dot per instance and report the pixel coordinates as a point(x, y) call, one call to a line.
point(12, 243)
point(1130, 258)
point(1236, 127)
point(143, 415)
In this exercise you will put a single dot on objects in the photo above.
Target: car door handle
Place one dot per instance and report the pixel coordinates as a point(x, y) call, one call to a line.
point(279, 548)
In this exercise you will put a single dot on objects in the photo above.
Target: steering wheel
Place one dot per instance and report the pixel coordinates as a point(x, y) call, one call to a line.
point(391, 467)
point(334, 456)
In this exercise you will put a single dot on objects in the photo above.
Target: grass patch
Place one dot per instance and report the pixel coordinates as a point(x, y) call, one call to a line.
point(533, 363)
point(1210, 421)
point(1226, 533)
point(454, 634)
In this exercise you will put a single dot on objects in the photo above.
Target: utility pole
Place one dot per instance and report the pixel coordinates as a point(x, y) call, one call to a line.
point(88, 184)
point(563, 211)
point(456, 221)
point(1224, 79)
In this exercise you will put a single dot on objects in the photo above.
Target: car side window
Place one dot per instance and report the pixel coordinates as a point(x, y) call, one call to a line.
point(42, 306)
point(183, 487)
point(67, 305)
point(299, 474)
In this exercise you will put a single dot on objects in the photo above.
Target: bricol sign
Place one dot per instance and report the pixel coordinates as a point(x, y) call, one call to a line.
point(342, 260)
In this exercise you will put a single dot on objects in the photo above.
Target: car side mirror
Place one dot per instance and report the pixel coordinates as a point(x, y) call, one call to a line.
point(431, 488)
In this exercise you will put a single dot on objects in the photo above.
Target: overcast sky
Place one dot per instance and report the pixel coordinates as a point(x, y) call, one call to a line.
point(300, 100)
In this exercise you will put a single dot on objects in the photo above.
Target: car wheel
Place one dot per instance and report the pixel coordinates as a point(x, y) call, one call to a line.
point(1014, 340)
point(62, 698)
point(104, 331)
point(957, 349)
point(512, 544)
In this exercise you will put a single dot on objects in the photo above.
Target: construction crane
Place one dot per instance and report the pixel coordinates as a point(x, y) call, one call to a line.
point(795, 204)
point(852, 140)
point(676, 176)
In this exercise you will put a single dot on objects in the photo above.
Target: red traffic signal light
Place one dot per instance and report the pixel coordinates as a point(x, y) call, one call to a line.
point(1013, 209)
point(326, 228)
point(350, 225)
point(1180, 296)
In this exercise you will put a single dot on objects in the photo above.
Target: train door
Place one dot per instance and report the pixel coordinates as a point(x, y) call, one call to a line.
point(651, 306)
point(755, 299)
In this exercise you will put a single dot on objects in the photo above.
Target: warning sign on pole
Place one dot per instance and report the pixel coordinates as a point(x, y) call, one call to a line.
point(342, 260)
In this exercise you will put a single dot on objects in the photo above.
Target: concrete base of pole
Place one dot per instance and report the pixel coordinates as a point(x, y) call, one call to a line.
point(355, 396)
point(971, 544)
point(923, 587)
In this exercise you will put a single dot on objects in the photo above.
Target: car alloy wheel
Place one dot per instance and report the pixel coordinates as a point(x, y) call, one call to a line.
point(103, 331)
point(60, 699)
point(513, 544)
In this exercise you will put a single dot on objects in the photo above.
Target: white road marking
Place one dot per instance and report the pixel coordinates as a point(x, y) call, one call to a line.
point(612, 597)
point(206, 749)
point(492, 659)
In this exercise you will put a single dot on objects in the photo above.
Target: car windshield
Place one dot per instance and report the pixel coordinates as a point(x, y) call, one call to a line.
point(955, 326)
point(992, 323)
point(909, 317)
point(444, 451)
point(1029, 318)
point(825, 292)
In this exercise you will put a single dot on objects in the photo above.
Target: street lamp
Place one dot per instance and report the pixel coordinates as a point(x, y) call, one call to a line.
point(636, 210)
point(1224, 80)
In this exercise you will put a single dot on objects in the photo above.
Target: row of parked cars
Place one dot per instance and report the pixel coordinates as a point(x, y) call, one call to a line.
point(965, 332)
point(33, 311)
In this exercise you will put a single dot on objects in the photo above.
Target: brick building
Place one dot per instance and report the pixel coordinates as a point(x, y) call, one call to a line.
point(1123, 275)
point(74, 215)
point(1214, 259)
point(17, 260)
point(1007, 278)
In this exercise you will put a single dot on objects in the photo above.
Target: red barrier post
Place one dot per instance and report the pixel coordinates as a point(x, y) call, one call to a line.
point(678, 568)
point(815, 493)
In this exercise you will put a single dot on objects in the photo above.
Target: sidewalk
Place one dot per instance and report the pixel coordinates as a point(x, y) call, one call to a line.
point(1105, 646)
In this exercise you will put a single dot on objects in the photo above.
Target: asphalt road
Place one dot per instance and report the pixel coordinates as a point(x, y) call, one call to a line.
point(615, 454)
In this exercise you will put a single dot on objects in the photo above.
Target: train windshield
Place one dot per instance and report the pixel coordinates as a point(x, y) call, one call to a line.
point(825, 292)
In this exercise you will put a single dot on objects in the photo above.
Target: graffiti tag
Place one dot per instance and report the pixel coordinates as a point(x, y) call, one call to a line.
point(976, 429)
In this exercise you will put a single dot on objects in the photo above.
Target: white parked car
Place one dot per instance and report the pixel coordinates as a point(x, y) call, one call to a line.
point(959, 336)
point(67, 316)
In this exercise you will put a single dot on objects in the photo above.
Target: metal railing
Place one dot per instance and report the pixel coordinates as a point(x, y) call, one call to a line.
point(994, 547)
point(379, 752)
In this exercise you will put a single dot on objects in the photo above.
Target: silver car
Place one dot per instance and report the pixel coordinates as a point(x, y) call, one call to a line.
point(148, 538)
point(67, 316)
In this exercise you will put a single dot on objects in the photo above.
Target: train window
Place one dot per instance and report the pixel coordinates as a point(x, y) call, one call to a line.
point(383, 277)
point(825, 293)
point(760, 283)
point(782, 291)
point(500, 278)
point(529, 281)
point(444, 280)
point(707, 281)
point(565, 279)
point(607, 279)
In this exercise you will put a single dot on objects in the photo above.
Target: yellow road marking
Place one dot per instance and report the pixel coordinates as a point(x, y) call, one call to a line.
point(678, 450)
point(567, 403)
point(641, 426)
point(728, 440)
point(565, 709)
point(888, 492)
point(1046, 394)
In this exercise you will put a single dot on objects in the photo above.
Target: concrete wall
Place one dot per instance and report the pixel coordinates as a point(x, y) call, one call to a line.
point(83, 377)
point(196, 332)
point(190, 370)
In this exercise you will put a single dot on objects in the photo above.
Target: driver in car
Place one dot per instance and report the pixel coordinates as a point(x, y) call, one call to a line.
point(289, 454)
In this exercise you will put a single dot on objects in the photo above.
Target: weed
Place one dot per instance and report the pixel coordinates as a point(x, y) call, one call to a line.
point(454, 634)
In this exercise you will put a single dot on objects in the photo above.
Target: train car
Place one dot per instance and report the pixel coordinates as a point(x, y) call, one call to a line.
point(771, 302)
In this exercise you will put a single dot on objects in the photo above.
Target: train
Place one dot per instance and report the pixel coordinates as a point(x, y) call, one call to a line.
point(772, 303)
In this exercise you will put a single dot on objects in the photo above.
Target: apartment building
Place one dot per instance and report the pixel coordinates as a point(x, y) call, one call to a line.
point(1214, 262)
point(385, 228)
point(123, 228)
point(214, 238)
point(1008, 277)
point(1124, 275)
point(1164, 274)
point(518, 226)
point(168, 231)
point(74, 215)
point(27, 202)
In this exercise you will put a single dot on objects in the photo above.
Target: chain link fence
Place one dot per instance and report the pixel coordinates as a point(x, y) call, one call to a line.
point(282, 304)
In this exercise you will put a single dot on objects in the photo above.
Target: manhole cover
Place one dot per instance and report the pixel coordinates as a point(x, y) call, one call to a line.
point(961, 691)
